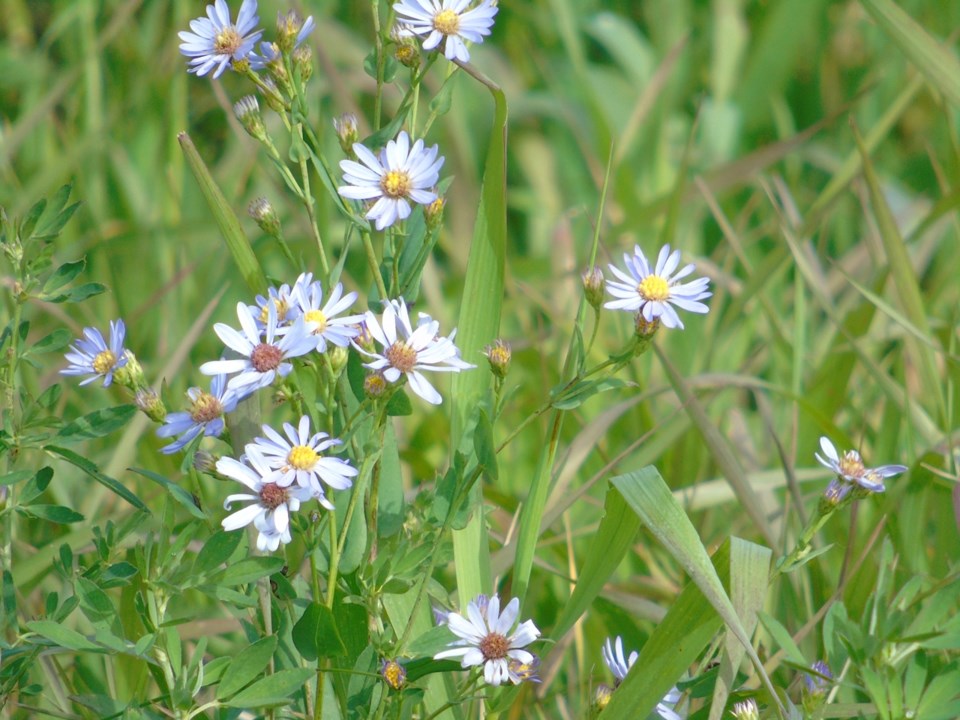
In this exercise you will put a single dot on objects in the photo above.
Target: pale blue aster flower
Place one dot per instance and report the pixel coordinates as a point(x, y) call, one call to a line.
point(92, 355)
point(216, 42)
point(321, 318)
point(620, 665)
point(205, 415)
point(400, 174)
point(263, 359)
point(270, 51)
point(446, 21)
point(850, 468)
point(282, 300)
point(301, 460)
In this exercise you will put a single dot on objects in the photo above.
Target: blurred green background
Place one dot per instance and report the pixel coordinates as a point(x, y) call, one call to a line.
point(806, 334)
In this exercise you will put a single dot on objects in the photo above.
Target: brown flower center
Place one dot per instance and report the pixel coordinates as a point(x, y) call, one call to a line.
point(227, 41)
point(401, 356)
point(316, 316)
point(446, 22)
point(494, 646)
point(265, 357)
point(396, 184)
point(205, 408)
point(654, 288)
point(273, 496)
point(104, 362)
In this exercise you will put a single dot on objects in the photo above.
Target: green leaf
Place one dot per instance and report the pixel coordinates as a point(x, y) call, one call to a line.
point(586, 389)
point(176, 492)
point(77, 294)
point(617, 532)
point(94, 602)
point(237, 242)
point(63, 275)
point(246, 666)
point(433, 641)
point(272, 690)
point(12, 478)
point(315, 633)
point(937, 64)
point(484, 447)
point(62, 636)
point(99, 423)
point(53, 513)
point(57, 340)
point(250, 570)
point(216, 551)
point(90, 469)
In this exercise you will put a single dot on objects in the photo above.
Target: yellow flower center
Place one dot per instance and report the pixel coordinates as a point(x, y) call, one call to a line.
point(282, 306)
point(851, 464)
point(227, 41)
point(316, 316)
point(273, 496)
point(396, 184)
point(302, 457)
point(206, 408)
point(494, 646)
point(401, 356)
point(104, 361)
point(446, 22)
point(654, 288)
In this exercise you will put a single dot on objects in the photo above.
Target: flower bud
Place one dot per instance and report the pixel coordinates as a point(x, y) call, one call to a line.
point(374, 385)
point(393, 673)
point(150, 403)
point(247, 110)
point(434, 213)
point(645, 328)
point(338, 357)
point(602, 695)
point(272, 96)
point(289, 26)
point(130, 376)
point(265, 216)
point(303, 62)
point(205, 462)
point(746, 710)
point(347, 133)
point(498, 355)
point(407, 51)
point(594, 285)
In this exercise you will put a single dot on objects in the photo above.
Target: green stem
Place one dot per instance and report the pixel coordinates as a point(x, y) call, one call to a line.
point(373, 263)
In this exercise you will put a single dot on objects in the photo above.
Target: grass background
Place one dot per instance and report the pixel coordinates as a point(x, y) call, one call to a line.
point(808, 332)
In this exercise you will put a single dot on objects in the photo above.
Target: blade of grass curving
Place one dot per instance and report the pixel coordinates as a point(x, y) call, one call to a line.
point(720, 450)
point(613, 538)
point(478, 325)
point(938, 65)
point(653, 502)
point(237, 241)
point(904, 279)
point(749, 577)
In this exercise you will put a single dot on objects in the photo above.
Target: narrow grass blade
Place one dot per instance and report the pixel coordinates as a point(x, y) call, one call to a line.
point(938, 65)
point(653, 502)
point(237, 241)
point(478, 326)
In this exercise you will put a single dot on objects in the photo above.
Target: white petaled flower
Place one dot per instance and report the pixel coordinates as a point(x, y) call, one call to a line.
point(300, 460)
point(614, 658)
point(850, 467)
point(263, 358)
point(653, 293)
point(408, 350)
point(93, 356)
point(666, 708)
point(746, 710)
point(489, 639)
point(204, 416)
point(216, 42)
point(321, 318)
point(400, 174)
point(270, 503)
point(448, 22)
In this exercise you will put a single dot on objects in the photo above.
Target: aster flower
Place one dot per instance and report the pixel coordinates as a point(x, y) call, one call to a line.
point(204, 416)
point(746, 710)
point(269, 51)
point(393, 673)
point(299, 459)
point(216, 42)
point(270, 503)
point(263, 359)
point(92, 355)
point(486, 639)
point(448, 22)
point(321, 319)
point(282, 300)
point(407, 351)
point(819, 680)
point(614, 658)
point(400, 174)
point(654, 293)
point(850, 467)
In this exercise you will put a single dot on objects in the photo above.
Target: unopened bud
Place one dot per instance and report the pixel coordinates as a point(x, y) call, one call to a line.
point(498, 355)
point(393, 673)
point(374, 385)
point(288, 28)
point(338, 357)
point(645, 328)
point(407, 51)
point(271, 95)
point(265, 216)
point(601, 698)
point(303, 62)
point(247, 110)
point(347, 133)
point(434, 213)
point(205, 461)
point(130, 376)
point(364, 339)
point(151, 405)
point(594, 285)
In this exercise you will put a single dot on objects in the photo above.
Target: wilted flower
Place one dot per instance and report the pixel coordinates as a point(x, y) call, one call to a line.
point(204, 416)
point(271, 504)
point(216, 42)
point(524, 672)
point(92, 356)
point(486, 639)
point(247, 110)
point(400, 174)
point(653, 293)
point(850, 467)
point(408, 351)
point(299, 458)
point(498, 355)
point(393, 673)
point(447, 21)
